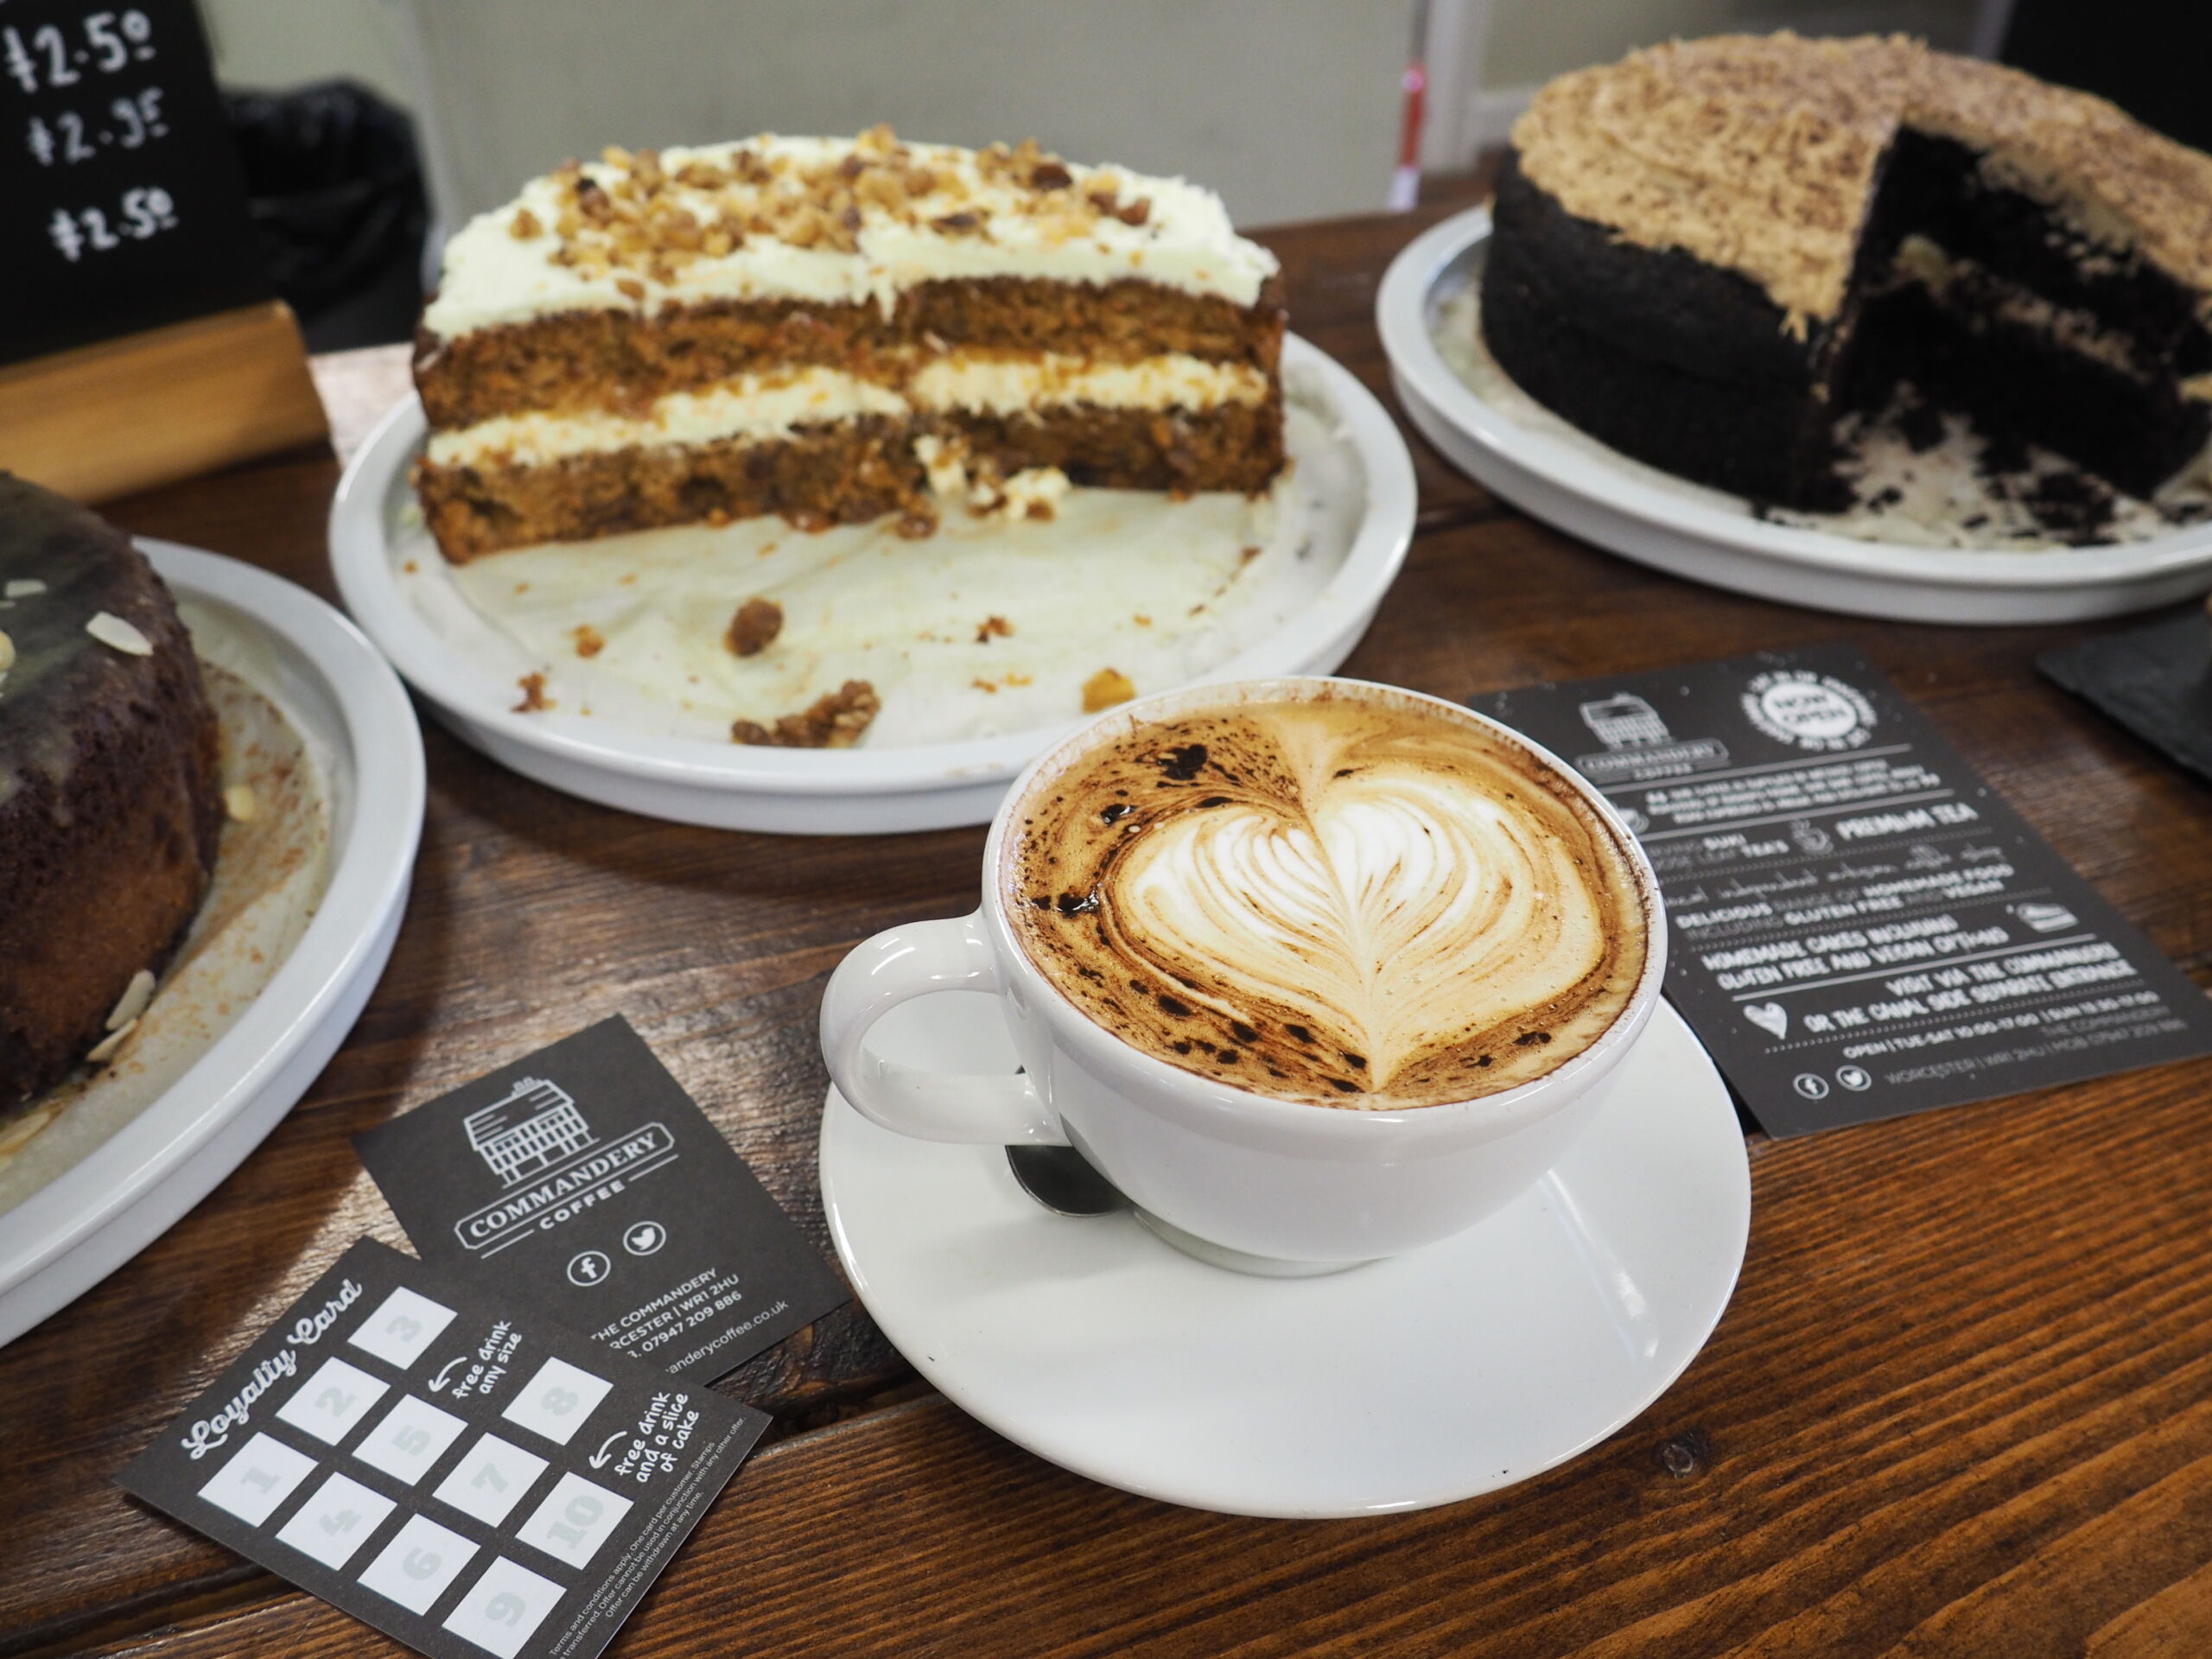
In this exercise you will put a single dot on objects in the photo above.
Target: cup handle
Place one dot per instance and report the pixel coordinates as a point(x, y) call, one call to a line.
point(894, 967)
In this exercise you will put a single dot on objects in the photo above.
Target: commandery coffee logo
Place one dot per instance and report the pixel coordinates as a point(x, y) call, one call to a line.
point(1638, 747)
point(535, 1140)
point(1811, 710)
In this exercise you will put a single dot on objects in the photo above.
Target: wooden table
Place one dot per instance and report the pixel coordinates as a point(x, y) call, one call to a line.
point(1962, 1404)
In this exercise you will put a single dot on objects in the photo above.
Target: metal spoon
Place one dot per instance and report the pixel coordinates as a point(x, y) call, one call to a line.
point(1062, 1179)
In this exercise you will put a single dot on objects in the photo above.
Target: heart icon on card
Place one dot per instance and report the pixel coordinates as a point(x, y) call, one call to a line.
point(1393, 912)
point(1771, 1017)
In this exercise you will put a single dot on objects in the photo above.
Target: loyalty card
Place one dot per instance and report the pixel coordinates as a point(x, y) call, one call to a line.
point(1858, 926)
point(583, 1178)
point(462, 1473)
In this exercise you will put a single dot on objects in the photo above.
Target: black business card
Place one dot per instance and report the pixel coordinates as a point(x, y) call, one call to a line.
point(1858, 926)
point(583, 1178)
point(466, 1475)
point(2155, 681)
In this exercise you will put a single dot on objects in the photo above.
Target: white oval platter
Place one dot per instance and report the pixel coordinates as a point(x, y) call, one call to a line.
point(1592, 492)
point(822, 792)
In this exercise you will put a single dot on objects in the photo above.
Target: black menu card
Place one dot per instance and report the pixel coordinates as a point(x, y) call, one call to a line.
point(1857, 926)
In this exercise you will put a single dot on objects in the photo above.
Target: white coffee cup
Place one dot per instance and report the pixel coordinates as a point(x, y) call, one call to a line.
point(1244, 1180)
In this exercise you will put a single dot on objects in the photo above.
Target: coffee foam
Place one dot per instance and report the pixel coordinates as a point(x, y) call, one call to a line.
point(1349, 900)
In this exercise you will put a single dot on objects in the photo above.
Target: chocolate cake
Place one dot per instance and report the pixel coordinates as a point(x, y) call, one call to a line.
point(831, 329)
point(1705, 254)
point(110, 806)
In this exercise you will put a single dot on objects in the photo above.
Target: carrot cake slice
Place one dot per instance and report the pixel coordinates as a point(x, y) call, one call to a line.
point(834, 329)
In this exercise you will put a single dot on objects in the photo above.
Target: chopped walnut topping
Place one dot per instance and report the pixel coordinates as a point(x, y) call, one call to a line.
point(754, 627)
point(836, 720)
point(994, 627)
point(632, 214)
point(534, 700)
point(1106, 688)
point(589, 640)
point(524, 225)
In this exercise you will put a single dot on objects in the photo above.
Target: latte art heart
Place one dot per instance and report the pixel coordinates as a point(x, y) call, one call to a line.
point(1322, 902)
point(1393, 919)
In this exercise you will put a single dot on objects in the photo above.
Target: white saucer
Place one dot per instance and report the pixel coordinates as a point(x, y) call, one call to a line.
point(1589, 490)
point(93, 1217)
point(1420, 1380)
point(825, 791)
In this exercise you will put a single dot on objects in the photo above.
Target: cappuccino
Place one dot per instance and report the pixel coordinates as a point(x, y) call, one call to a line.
point(1351, 899)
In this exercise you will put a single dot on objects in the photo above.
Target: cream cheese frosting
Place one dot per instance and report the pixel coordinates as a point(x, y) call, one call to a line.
point(831, 221)
point(764, 408)
point(1759, 154)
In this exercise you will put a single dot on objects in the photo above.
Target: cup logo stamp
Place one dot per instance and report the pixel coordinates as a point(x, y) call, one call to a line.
point(1808, 711)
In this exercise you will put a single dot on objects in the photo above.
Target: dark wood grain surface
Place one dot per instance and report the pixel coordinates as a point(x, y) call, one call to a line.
point(1960, 1405)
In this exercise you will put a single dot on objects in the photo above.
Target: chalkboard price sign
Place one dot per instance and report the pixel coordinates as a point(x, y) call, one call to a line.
point(121, 207)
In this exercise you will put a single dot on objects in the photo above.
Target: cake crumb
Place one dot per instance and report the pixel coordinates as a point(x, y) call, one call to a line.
point(116, 634)
point(754, 627)
point(240, 803)
point(132, 1003)
point(1106, 688)
point(589, 641)
point(991, 686)
point(534, 700)
point(836, 720)
point(994, 627)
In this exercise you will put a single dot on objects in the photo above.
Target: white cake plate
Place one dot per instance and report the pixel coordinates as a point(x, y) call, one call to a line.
point(822, 791)
point(1426, 1378)
point(1570, 479)
point(95, 1215)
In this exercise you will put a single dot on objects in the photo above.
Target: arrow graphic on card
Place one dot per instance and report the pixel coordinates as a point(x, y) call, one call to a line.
point(599, 1458)
point(1769, 1017)
point(438, 1382)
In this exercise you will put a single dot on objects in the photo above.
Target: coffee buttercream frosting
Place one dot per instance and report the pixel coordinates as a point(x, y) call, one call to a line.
point(1336, 901)
point(1760, 154)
